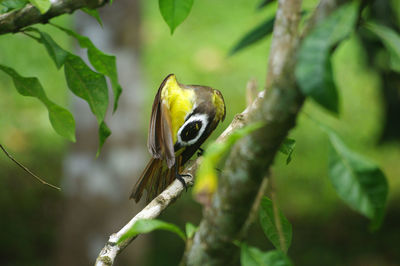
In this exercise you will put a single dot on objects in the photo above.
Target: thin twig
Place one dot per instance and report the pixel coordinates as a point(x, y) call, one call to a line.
point(27, 170)
point(277, 215)
point(251, 91)
point(169, 195)
point(254, 209)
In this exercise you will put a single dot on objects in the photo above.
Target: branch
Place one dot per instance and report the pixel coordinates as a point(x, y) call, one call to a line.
point(27, 170)
point(168, 196)
point(250, 158)
point(14, 21)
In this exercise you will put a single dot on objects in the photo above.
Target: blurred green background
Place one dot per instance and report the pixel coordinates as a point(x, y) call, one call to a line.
point(325, 230)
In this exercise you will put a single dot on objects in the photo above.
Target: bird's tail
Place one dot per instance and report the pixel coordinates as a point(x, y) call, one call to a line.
point(154, 179)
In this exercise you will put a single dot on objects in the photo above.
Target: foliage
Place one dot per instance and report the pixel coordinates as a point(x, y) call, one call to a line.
point(314, 67)
point(264, 3)
point(190, 230)
point(82, 81)
point(206, 175)
point(258, 33)
point(252, 256)
point(146, 226)
point(287, 148)
point(175, 12)
point(61, 120)
point(42, 5)
point(358, 181)
point(275, 225)
point(390, 39)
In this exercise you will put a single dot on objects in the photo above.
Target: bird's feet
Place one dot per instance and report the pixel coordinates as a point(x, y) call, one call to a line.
point(180, 178)
point(200, 152)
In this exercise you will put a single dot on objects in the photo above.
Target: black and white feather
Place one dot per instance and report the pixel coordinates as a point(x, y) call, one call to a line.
point(193, 128)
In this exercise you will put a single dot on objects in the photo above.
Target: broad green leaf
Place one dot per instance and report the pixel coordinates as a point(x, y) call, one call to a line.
point(358, 181)
point(314, 70)
point(252, 256)
point(391, 40)
point(62, 121)
point(255, 35)
point(287, 148)
point(60, 118)
point(190, 230)
point(104, 133)
point(206, 176)
point(87, 84)
point(175, 12)
point(82, 81)
point(56, 53)
point(264, 3)
point(103, 63)
point(106, 64)
point(42, 5)
point(14, 4)
point(94, 13)
point(146, 226)
point(277, 229)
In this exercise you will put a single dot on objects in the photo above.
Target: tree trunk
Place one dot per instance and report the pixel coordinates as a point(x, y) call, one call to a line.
point(93, 186)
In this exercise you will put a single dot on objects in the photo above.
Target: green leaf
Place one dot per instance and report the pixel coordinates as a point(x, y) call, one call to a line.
point(14, 4)
point(314, 70)
point(103, 63)
point(206, 176)
point(62, 121)
point(287, 148)
point(190, 230)
point(358, 181)
point(106, 64)
point(147, 225)
point(60, 118)
point(42, 5)
point(87, 84)
point(277, 229)
point(82, 81)
point(104, 133)
point(175, 12)
point(391, 40)
point(264, 3)
point(255, 35)
point(252, 256)
point(94, 13)
point(56, 53)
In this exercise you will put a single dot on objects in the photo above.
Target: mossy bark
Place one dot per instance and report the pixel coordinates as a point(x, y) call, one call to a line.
point(251, 158)
point(14, 21)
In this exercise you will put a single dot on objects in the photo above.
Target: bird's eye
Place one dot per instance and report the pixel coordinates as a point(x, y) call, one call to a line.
point(193, 128)
point(190, 131)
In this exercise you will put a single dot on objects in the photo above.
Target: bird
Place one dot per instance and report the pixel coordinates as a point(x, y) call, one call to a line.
point(182, 118)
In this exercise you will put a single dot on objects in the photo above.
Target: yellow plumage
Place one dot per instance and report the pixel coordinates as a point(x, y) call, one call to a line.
point(179, 102)
point(182, 117)
point(219, 104)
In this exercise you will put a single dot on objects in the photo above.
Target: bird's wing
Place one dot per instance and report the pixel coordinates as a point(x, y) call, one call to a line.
point(159, 140)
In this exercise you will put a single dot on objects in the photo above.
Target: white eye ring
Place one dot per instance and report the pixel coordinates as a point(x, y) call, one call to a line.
point(203, 118)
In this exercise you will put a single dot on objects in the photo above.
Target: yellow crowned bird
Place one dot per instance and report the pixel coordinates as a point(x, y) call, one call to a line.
point(182, 118)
